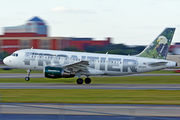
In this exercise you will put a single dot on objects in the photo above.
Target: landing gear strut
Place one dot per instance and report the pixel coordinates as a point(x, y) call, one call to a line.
point(28, 74)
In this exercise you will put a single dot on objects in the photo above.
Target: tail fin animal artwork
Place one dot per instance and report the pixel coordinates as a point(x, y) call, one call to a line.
point(160, 46)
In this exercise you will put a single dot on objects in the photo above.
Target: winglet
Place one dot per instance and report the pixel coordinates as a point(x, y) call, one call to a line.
point(160, 46)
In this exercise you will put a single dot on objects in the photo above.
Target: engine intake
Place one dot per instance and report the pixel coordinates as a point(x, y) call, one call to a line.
point(56, 72)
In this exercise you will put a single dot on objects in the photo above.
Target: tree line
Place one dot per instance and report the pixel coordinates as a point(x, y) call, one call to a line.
point(119, 49)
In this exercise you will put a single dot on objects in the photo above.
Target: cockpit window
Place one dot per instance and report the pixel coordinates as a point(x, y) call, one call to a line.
point(14, 54)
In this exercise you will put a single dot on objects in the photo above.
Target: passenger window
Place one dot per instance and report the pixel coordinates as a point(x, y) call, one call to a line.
point(40, 54)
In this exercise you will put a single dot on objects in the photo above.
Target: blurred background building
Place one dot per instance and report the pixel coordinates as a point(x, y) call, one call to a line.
point(34, 33)
point(34, 27)
point(174, 53)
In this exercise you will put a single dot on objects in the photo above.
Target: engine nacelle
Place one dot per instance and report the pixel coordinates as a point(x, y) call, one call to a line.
point(56, 72)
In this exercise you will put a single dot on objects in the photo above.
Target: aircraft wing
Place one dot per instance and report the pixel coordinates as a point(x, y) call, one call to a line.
point(156, 64)
point(78, 66)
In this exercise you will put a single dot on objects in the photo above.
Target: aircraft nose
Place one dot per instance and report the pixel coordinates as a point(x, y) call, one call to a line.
point(6, 60)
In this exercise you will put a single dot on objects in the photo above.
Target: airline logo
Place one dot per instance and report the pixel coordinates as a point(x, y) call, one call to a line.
point(113, 64)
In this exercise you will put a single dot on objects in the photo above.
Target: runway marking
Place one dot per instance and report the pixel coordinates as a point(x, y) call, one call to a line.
point(66, 109)
point(132, 109)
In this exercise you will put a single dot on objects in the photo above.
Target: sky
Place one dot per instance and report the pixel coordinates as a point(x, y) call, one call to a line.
point(131, 22)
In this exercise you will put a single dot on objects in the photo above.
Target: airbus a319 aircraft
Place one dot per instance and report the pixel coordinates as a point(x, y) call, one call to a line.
point(65, 64)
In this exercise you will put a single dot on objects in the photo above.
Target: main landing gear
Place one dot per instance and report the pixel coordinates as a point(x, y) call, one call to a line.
point(80, 80)
point(28, 74)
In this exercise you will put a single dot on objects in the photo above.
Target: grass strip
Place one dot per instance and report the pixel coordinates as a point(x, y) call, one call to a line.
point(103, 80)
point(163, 97)
point(18, 71)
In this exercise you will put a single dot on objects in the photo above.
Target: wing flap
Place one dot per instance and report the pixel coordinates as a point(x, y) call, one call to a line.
point(78, 66)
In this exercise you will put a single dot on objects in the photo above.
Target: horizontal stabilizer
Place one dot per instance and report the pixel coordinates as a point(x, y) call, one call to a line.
point(154, 64)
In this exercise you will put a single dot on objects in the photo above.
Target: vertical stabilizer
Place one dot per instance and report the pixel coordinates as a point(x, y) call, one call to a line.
point(160, 46)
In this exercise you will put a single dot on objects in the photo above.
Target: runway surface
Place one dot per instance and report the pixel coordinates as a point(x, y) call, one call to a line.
point(89, 86)
point(88, 111)
point(41, 75)
point(79, 117)
point(41, 111)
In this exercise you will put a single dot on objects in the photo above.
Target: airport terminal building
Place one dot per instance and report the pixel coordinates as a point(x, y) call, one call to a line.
point(34, 33)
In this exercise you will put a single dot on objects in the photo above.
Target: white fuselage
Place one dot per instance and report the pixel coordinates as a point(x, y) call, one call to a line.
point(99, 64)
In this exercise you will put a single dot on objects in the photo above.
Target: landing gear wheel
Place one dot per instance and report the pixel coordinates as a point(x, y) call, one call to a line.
point(28, 74)
point(27, 78)
point(79, 81)
point(88, 80)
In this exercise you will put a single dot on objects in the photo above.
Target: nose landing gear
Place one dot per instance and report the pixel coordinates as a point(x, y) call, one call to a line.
point(28, 74)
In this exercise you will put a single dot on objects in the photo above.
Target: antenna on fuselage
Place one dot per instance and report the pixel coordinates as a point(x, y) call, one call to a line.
point(32, 48)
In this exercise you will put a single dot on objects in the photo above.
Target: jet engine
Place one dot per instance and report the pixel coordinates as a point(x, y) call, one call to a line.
point(56, 72)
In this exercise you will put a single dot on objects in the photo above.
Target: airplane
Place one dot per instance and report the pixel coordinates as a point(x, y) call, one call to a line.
point(66, 64)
